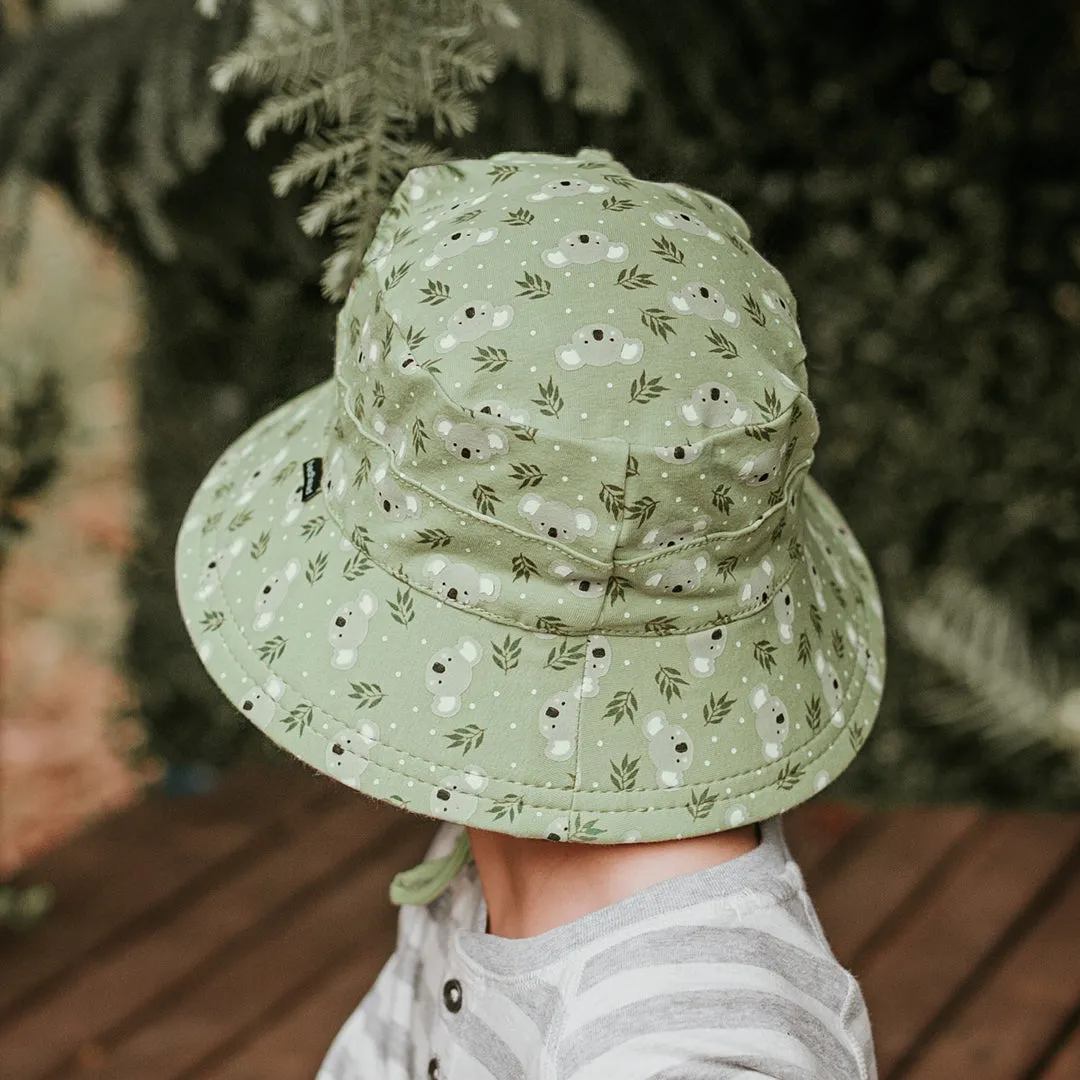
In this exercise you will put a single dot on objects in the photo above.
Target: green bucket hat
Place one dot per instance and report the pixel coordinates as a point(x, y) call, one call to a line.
point(545, 556)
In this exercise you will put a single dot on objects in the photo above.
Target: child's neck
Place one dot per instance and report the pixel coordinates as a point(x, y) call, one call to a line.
point(532, 886)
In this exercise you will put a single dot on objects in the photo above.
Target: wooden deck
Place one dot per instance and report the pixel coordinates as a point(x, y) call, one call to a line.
point(227, 937)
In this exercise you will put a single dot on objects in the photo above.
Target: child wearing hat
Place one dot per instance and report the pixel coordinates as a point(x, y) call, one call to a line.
point(544, 560)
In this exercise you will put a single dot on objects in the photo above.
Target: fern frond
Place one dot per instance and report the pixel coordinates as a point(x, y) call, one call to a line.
point(319, 105)
point(123, 97)
point(358, 78)
point(271, 64)
point(1000, 689)
point(568, 44)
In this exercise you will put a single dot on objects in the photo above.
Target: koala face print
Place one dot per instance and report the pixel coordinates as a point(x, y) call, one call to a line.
point(471, 322)
point(829, 555)
point(670, 747)
point(370, 350)
point(706, 301)
point(347, 751)
point(864, 657)
point(583, 249)
point(260, 705)
point(680, 577)
point(471, 442)
point(673, 534)
point(449, 675)
point(460, 206)
point(682, 454)
point(216, 567)
point(556, 520)
point(714, 405)
point(349, 627)
point(831, 688)
point(763, 468)
point(396, 503)
point(418, 181)
point(258, 476)
point(841, 529)
point(757, 588)
point(455, 798)
point(378, 254)
point(501, 411)
point(597, 665)
point(775, 303)
point(294, 505)
point(565, 189)
point(460, 583)
point(705, 647)
point(405, 361)
point(735, 816)
point(458, 242)
point(815, 580)
point(784, 610)
point(336, 480)
point(268, 599)
point(578, 583)
point(558, 724)
point(683, 222)
point(558, 829)
point(599, 345)
point(771, 720)
point(392, 437)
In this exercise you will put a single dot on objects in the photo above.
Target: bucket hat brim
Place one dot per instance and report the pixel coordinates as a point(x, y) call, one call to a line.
point(450, 713)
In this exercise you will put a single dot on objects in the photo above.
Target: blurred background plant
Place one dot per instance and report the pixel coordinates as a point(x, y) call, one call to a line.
point(911, 166)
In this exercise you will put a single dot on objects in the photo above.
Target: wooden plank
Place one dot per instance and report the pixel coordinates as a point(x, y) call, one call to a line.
point(103, 995)
point(910, 977)
point(896, 850)
point(125, 851)
point(1012, 1018)
point(294, 1043)
point(814, 829)
point(245, 994)
point(1065, 1064)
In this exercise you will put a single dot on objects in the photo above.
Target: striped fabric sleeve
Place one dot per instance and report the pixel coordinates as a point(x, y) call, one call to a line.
point(690, 1003)
point(375, 1040)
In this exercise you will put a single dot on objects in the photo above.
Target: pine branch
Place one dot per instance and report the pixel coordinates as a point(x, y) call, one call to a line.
point(124, 97)
point(1002, 690)
point(358, 79)
point(570, 45)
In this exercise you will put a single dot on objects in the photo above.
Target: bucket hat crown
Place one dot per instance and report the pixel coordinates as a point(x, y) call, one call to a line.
point(545, 555)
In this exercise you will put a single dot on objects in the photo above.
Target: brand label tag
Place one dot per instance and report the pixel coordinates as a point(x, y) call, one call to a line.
point(312, 478)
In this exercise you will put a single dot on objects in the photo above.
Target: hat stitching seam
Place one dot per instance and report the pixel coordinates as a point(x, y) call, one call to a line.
point(610, 567)
point(237, 624)
point(488, 615)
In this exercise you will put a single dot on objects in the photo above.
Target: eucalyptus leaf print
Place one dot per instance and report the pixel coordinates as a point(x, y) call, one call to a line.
point(634, 278)
point(624, 774)
point(519, 216)
point(622, 706)
point(659, 322)
point(533, 287)
point(701, 804)
point(550, 399)
point(435, 293)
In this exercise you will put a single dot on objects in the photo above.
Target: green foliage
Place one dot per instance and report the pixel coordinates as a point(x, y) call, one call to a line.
point(123, 100)
point(32, 420)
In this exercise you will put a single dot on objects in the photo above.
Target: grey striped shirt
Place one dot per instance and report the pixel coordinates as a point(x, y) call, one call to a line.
point(719, 974)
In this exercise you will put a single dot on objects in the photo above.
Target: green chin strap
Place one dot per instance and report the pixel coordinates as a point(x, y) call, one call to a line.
point(425, 882)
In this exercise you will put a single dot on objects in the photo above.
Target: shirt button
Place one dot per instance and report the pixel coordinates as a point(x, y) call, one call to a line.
point(433, 1069)
point(451, 995)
